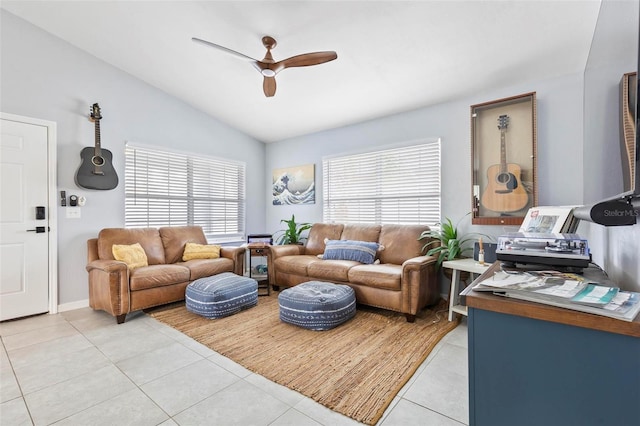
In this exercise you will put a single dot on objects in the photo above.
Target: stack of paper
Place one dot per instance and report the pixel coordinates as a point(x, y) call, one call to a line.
point(564, 290)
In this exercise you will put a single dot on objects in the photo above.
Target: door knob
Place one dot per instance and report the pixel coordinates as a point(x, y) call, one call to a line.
point(38, 230)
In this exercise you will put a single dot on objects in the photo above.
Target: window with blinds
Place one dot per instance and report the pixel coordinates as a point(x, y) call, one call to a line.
point(167, 188)
point(396, 185)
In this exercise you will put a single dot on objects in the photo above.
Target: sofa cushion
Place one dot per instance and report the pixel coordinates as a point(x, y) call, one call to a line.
point(400, 242)
point(386, 276)
point(175, 238)
point(318, 233)
point(158, 276)
point(207, 267)
point(149, 239)
point(131, 254)
point(358, 251)
point(296, 265)
point(359, 232)
point(331, 270)
point(200, 251)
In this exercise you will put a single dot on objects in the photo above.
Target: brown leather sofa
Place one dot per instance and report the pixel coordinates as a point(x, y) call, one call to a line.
point(116, 289)
point(403, 281)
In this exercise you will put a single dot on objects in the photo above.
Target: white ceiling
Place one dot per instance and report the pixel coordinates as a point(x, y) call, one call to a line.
point(393, 56)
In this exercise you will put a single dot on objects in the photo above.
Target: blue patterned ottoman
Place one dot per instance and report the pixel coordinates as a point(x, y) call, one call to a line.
point(221, 295)
point(317, 305)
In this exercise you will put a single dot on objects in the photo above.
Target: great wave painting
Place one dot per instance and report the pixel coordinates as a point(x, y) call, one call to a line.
point(294, 185)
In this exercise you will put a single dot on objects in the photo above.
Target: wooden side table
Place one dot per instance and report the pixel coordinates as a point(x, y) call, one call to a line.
point(469, 265)
point(258, 246)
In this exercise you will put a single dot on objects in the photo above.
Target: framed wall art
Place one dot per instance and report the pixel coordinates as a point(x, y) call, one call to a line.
point(294, 185)
point(503, 160)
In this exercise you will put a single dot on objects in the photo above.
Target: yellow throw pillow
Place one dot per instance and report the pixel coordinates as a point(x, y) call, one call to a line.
point(133, 255)
point(200, 251)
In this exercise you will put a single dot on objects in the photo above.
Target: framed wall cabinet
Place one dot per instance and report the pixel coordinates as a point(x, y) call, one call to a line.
point(503, 160)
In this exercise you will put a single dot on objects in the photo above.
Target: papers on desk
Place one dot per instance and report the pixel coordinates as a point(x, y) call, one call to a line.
point(564, 290)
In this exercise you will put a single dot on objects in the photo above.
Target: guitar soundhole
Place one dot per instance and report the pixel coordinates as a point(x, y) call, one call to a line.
point(503, 178)
point(507, 179)
point(97, 161)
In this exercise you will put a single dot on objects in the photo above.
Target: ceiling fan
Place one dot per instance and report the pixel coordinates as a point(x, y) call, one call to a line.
point(269, 68)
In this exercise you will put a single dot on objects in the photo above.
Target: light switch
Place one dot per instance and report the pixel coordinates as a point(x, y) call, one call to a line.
point(73, 212)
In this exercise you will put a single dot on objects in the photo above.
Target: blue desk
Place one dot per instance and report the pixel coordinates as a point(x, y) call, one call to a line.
point(532, 364)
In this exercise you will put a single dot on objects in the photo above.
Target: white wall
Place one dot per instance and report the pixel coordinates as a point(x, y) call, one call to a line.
point(559, 106)
point(567, 157)
point(560, 162)
point(613, 53)
point(44, 77)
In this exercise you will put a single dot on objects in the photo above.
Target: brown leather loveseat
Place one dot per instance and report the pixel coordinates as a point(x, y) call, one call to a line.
point(403, 280)
point(117, 289)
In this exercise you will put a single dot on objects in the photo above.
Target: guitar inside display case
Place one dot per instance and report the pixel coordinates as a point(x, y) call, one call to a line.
point(503, 160)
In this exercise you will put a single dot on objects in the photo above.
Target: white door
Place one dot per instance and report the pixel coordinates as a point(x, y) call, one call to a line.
point(24, 238)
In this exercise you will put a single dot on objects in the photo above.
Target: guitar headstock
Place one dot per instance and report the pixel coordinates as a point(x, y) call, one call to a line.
point(95, 112)
point(503, 122)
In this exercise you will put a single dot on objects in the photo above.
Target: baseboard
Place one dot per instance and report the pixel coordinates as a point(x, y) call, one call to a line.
point(73, 305)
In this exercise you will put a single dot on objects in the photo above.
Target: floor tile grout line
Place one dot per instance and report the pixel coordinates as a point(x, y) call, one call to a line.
point(436, 412)
point(15, 377)
point(175, 338)
point(139, 387)
point(110, 363)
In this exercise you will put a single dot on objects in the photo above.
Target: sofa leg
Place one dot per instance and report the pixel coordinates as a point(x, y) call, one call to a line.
point(275, 287)
point(410, 318)
point(120, 318)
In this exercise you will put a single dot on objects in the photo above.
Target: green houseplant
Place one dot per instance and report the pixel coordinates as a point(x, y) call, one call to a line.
point(293, 233)
point(446, 242)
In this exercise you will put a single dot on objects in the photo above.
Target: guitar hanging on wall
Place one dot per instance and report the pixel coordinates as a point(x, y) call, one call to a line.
point(504, 192)
point(96, 170)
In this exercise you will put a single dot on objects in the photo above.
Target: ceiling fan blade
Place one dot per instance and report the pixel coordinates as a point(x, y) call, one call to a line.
point(269, 86)
point(225, 49)
point(305, 60)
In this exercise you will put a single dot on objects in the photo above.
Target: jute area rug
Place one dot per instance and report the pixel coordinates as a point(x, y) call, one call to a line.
point(355, 369)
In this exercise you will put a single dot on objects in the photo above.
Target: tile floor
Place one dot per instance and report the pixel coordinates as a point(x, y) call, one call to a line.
point(81, 368)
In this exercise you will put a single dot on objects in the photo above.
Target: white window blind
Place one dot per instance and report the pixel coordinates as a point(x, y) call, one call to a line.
point(167, 188)
point(396, 185)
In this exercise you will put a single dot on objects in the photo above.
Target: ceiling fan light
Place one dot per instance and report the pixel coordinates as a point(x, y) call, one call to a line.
point(268, 72)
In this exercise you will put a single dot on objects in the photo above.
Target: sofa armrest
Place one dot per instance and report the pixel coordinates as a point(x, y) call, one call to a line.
point(92, 250)
point(416, 263)
point(275, 252)
point(109, 286)
point(237, 255)
point(285, 250)
point(419, 283)
point(107, 266)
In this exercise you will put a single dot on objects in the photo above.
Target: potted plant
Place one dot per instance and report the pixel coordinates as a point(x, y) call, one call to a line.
point(446, 243)
point(293, 233)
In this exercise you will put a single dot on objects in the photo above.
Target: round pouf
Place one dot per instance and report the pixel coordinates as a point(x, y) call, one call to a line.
point(221, 295)
point(317, 305)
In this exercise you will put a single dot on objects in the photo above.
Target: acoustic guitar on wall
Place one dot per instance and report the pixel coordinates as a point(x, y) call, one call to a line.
point(96, 170)
point(504, 191)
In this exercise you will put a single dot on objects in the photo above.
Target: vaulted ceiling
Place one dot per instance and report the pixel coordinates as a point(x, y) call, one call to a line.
point(393, 56)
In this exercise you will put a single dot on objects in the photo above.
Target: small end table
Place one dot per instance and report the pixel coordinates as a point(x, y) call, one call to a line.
point(468, 265)
point(258, 246)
